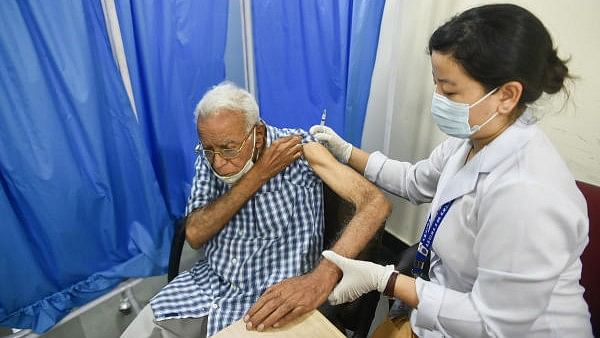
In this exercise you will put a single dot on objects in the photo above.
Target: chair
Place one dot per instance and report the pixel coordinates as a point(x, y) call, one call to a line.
point(590, 276)
point(177, 243)
point(355, 316)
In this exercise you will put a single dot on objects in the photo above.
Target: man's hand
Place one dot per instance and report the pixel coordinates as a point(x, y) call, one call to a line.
point(279, 155)
point(290, 299)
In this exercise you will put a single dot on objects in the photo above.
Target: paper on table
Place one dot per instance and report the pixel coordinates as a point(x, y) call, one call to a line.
point(311, 325)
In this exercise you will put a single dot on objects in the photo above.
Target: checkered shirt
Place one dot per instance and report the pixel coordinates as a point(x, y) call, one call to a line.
point(277, 234)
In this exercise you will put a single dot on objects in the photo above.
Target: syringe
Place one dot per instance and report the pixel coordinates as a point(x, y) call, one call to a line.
point(323, 117)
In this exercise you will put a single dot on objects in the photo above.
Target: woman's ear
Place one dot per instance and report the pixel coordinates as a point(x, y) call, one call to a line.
point(510, 94)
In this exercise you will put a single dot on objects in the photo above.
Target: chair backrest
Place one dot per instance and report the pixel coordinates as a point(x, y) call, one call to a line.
point(590, 276)
point(177, 243)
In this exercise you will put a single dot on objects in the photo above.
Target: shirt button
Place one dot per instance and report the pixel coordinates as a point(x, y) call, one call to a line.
point(234, 261)
point(215, 306)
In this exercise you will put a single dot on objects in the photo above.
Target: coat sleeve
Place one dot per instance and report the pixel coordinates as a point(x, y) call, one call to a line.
point(414, 182)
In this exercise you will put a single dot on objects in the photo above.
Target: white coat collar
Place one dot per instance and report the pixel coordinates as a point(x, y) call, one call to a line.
point(460, 179)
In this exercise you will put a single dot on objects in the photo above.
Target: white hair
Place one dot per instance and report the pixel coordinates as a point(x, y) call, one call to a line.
point(227, 96)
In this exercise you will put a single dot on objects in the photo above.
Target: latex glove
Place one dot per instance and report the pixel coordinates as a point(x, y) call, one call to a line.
point(359, 278)
point(333, 142)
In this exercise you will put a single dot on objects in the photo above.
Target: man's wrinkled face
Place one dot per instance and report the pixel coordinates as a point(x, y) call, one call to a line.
point(223, 132)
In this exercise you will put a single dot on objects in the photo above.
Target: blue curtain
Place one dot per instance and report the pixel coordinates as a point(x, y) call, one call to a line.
point(175, 52)
point(81, 208)
point(312, 55)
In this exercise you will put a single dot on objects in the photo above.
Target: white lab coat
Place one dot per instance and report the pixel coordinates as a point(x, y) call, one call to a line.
point(505, 259)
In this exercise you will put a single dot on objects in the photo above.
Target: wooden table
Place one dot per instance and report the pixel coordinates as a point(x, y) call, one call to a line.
point(311, 325)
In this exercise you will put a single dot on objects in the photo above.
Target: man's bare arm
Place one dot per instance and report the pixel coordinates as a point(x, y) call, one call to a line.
point(372, 207)
point(296, 296)
point(203, 223)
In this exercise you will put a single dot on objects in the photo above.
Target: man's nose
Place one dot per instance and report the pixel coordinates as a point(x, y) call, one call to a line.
point(218, 161)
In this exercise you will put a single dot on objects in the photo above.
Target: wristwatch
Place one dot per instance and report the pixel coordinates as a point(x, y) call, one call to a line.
point(391, 283)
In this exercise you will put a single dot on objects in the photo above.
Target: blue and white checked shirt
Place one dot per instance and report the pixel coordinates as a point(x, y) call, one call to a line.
point(276, 235)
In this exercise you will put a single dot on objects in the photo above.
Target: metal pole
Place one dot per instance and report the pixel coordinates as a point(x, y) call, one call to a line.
point(248, 46)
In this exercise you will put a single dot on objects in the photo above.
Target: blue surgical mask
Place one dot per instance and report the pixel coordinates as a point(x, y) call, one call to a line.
point(453, 117)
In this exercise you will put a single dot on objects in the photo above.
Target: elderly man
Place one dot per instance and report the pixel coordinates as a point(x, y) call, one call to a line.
point(256, 207)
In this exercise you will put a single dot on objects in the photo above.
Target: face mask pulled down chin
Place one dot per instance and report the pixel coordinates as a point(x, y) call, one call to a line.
point(453, 117)
point(232, 179)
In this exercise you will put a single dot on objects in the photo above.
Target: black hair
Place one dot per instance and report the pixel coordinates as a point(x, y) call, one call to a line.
point(499, 43)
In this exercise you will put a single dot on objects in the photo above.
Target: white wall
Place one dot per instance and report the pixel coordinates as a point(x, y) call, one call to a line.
point(398, 121)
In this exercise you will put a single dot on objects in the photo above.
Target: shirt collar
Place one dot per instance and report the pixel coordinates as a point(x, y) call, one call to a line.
point(461, 178)
point(508, 143)
point(270, 134)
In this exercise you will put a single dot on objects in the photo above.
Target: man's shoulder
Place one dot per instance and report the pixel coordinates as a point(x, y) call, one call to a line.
point(276, 133)
point(301, 166)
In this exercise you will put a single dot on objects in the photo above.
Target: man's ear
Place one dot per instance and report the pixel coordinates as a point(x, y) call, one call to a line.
point(261, 135)
point(510, 94)
point(198, 123)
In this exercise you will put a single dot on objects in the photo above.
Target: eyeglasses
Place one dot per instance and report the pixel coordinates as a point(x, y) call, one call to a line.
point(227, 154)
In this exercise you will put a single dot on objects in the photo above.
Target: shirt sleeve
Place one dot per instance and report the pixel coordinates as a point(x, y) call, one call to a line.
point(415, 182)
point(303, 173)
point(526, 239)
point(306, 136)
point(204, 186)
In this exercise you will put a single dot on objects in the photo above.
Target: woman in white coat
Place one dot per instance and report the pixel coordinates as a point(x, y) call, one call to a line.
point(507, 223)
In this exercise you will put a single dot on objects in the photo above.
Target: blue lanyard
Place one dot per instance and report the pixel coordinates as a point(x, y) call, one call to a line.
point(427, 240)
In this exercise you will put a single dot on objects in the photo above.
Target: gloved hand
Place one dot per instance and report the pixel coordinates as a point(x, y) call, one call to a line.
point(359, 278)
point(332, 141)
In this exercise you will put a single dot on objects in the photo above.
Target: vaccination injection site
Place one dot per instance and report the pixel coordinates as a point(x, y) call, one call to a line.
point(299, 168)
